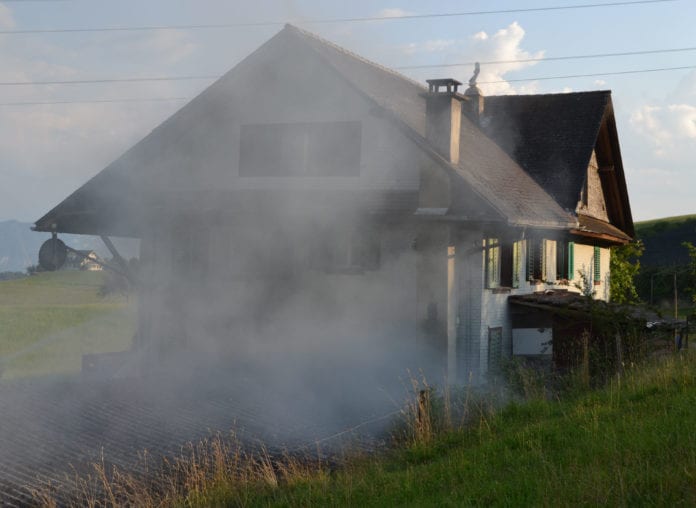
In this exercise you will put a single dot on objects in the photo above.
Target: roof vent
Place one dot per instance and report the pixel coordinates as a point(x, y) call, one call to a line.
point(451, 85)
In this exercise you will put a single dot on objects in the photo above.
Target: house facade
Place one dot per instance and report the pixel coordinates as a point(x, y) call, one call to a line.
point(312, 193)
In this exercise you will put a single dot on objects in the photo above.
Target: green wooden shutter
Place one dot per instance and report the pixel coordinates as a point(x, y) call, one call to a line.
point(571, 260)
point(597, 273)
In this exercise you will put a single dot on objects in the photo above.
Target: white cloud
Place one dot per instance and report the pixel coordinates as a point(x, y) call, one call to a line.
point(503, 45)
point(660, 150)
point(669, 129)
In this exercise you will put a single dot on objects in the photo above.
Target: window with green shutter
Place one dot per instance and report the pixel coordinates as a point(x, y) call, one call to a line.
point(492, 251)
point(535, 255)
point(565, 260)
point(597, 262)
point(516, 263)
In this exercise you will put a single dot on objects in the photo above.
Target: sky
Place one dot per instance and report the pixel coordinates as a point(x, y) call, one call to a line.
point(48, 150)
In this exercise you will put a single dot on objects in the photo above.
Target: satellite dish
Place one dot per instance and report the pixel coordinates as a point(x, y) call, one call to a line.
point(52, 254)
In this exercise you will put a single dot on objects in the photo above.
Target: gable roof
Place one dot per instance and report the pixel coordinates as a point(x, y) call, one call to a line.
point(551, 136)
point(487, 169)
point(529, 193)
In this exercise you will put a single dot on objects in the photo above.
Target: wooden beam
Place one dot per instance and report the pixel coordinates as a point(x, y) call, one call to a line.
point(119, 259)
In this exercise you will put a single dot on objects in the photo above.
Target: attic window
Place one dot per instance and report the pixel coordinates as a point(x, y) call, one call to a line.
point(300, 149)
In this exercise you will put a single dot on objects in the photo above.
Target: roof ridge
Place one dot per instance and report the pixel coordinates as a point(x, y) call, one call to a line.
point(352, 54)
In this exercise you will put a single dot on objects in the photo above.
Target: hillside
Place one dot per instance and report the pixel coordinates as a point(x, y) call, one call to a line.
point(19, 245)
point(663, 240)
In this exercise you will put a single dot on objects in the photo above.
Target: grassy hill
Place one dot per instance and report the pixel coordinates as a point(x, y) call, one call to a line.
point(663, 257)
point(49, 320)
point(663, 240)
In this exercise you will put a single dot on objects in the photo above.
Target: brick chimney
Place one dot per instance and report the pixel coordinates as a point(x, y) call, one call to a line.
point(443, 111)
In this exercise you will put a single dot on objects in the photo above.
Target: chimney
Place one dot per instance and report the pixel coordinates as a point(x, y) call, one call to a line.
point(443, 111)
point(474, 97)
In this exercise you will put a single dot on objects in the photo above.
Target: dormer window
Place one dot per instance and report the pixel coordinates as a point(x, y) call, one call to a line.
point(317, 149)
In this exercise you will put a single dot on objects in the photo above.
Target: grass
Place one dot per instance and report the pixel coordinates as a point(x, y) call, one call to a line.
point(675, 219)
point(653, 227)
point(48, 321)
point(630, 443)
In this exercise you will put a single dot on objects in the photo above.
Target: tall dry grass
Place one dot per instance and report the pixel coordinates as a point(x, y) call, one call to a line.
point(201, 472)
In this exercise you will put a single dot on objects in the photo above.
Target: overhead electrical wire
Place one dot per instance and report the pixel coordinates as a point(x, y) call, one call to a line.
point(538, 78)
point(550, 58)
point(402, 67)
point(106, 80)
point(331, 20)
point(94, 101)
point(591, 75)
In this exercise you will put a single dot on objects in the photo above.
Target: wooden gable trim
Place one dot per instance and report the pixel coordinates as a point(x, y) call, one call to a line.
point(611, 173)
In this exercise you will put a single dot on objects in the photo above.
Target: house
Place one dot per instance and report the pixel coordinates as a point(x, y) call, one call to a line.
point(312, 193)
point(82, 260)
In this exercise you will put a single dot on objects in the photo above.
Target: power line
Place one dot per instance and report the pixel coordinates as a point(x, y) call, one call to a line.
point(402, 67)
point(164, 99)
point(551, 58)
point(94, 101)
point(331, 20)
point(597, 74)
point(107, 80)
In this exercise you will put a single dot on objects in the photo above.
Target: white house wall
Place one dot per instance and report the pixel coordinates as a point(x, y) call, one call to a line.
point(484, 309)
point(200, 151)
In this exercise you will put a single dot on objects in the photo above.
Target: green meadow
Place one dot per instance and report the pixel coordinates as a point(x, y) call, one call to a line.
point(49, 320)
point(630, 443)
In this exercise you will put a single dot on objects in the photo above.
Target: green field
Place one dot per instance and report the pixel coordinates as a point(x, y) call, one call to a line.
point(631, 443)
point(647, 225)
point(49, 320)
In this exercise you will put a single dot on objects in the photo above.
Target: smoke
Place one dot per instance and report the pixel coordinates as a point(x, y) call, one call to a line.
point(278, 282)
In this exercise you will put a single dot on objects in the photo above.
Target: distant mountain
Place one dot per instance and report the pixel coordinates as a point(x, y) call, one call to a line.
point(19, 245)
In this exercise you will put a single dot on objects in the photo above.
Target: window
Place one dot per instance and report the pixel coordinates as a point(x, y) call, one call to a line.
point(502, 263)
point(534, 255)
point(597, 265)
point(492, 253)
point(516, 263)
point(541, 260)
point(549, 260)
point(300, 149)
point(565, 260)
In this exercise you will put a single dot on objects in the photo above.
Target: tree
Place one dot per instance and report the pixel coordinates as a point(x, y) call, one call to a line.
point(624, 266)
point(692, 269)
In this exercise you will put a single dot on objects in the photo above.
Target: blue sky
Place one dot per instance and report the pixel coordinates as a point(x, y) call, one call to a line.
point(47, 151)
